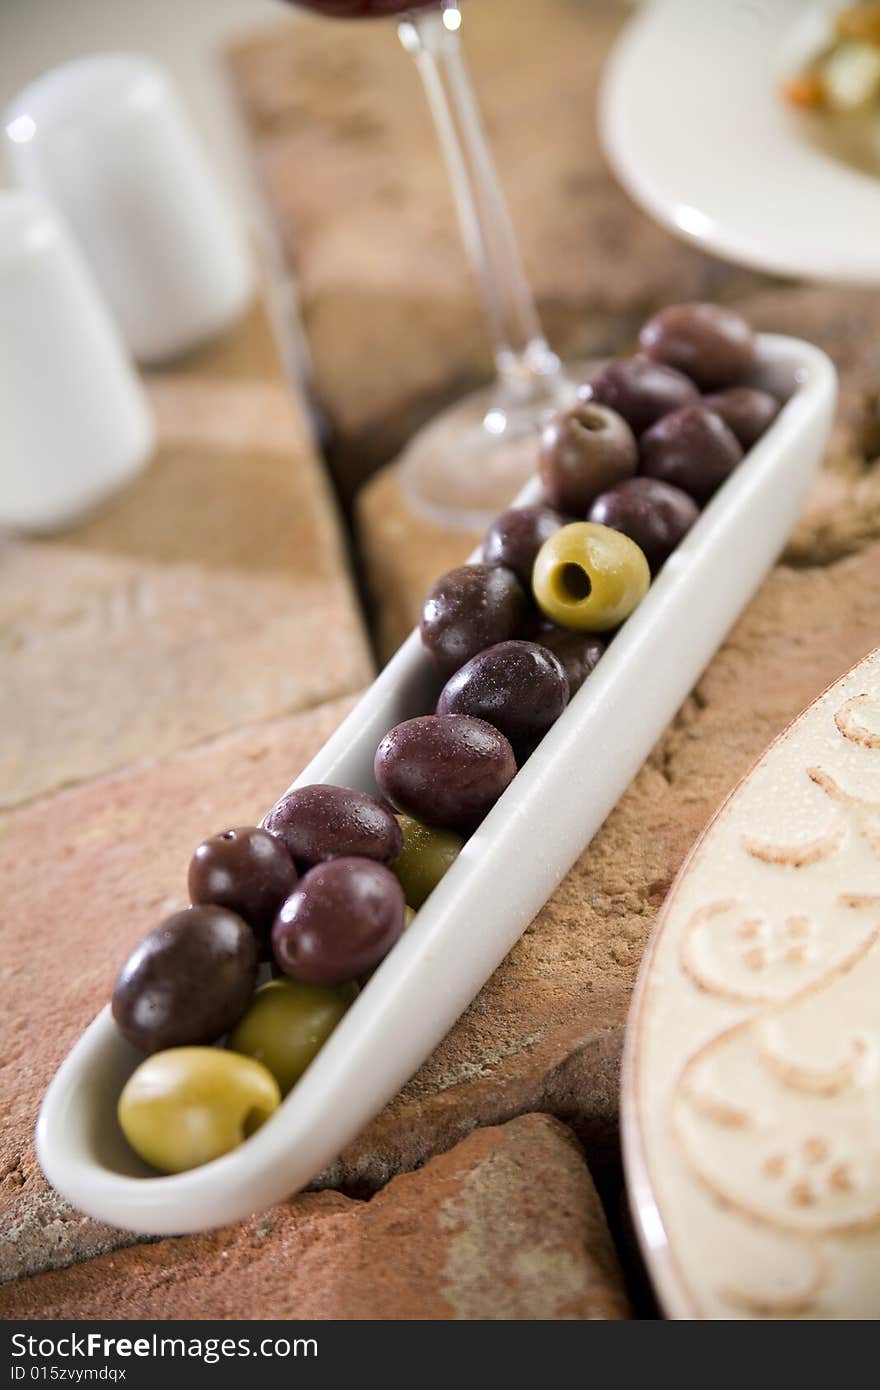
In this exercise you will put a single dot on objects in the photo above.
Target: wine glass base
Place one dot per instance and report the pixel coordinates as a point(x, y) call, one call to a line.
point(467, 464)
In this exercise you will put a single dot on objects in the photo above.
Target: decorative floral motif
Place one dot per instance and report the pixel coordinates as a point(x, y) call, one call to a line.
point(776, 1111)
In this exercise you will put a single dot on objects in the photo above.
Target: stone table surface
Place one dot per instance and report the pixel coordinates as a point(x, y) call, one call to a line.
point(212, 592)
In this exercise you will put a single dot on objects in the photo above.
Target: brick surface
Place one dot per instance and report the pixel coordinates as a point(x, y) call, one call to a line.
point(507, 1225)
point(212, 592)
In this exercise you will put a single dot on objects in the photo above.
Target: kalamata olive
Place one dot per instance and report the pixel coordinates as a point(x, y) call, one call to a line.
point(288, 1023)
point(583, 452)
point(189, 980)
point(470, 608)
point(518, 687)
point(745, 410)
point(578, 652)
point(342, 918)
point(189, 1105)
point(322, 822)
point(427, 854)
point(445, 770)
point(246, 870)
point(589, 577)
point(640, 390)
point(653, 514)
point(516, 536)
point(692, 449)
point(710, 343)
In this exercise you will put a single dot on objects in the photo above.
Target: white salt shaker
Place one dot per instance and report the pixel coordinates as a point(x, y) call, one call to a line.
point(74, 424)
point(106, 140)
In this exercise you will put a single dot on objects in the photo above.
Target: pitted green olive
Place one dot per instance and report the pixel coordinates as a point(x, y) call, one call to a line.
point(589, 578)
point(188, 1105)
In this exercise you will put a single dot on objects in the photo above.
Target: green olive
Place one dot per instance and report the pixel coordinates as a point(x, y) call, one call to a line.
point(426, 855)
point(288, 1023)
point(589, 577)
point(188, 1105)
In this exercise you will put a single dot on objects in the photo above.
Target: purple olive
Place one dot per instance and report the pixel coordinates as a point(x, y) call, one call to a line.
point(578, 652)
point(640, 390)
point(246, 870)
point(745, 410)
point(584, 451)
point(519, 688)
point(516, 536)
point(652, 513)
point(188, 982)
point(323, 822)
point(445, 770)
point(692, 449)
point(711, 344)
point(339, 922)
point(470, 608)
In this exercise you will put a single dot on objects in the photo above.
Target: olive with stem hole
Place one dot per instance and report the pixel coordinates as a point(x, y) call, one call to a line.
point(589, 577)
point(584, 451)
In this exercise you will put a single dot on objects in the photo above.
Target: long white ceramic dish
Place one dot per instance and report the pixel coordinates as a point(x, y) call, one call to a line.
point(695, 126)
point(503, 876)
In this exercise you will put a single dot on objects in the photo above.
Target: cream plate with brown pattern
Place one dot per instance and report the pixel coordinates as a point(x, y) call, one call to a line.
point(752, 1068)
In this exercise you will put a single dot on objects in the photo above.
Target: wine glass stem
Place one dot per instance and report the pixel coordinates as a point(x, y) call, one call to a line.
point(522, 356)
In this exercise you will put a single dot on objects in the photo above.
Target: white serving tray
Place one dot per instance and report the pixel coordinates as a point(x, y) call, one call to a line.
point(503, 876)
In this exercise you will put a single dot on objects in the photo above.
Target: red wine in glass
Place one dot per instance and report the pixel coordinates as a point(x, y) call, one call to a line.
point(463, 467)
point(362, 9)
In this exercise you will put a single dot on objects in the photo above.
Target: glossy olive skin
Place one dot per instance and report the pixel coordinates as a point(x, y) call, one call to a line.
point(288, 1023)
point(745, 410)
point(428, 854)
point(589, 577)
point(640, 390)
point(710, 343)
point(321, 822)
point(518, 687)
point(692, 449)
point(340, 921)
point(246, 870)
point(189, 980)
point(189, 1105)
point(445, 770)
point(516, 536)
point(653, 514)
point(579, 653)
point(470, 608)
point(583, 452)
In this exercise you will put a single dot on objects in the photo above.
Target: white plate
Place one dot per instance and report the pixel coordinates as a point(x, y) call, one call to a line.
point(696, 129)
point(751, 1088)
point(505, 873)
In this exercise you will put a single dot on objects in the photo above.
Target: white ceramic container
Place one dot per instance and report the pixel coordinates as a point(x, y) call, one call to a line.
point(505, 873)
point(106, 140)
point(74, 422)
